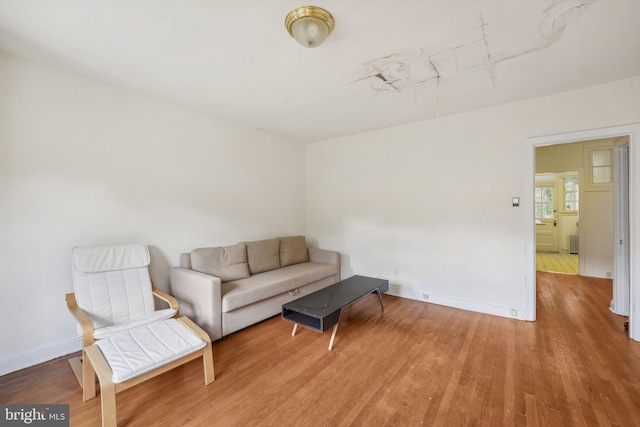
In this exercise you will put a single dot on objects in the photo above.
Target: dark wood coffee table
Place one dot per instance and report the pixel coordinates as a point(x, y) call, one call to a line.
point(321, 310)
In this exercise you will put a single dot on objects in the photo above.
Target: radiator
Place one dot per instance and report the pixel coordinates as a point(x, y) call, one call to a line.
point(573, 244)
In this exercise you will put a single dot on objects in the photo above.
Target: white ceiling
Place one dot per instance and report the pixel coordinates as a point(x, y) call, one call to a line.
point(386, 63)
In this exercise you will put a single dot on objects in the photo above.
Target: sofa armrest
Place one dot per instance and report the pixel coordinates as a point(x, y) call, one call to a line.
point(200, 298)
point(324, 256)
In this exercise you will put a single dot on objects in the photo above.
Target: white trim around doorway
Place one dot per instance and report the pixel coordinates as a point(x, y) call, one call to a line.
point(633, 132)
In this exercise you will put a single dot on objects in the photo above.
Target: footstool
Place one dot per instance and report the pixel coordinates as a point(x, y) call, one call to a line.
point(131, 357)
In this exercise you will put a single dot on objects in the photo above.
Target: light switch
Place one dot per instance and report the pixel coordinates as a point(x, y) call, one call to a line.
point(515, 201)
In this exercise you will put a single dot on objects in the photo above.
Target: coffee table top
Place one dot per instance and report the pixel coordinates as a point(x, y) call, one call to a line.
point(325, 301)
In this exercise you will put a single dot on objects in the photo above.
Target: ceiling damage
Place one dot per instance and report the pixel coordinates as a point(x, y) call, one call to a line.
point(381, 66)
point(410, 69)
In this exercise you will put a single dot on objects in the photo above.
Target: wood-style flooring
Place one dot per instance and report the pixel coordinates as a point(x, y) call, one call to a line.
point(557, 262)
point(418, 364)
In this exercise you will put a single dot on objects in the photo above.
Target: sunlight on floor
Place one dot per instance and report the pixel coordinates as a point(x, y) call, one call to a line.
point(557, 263)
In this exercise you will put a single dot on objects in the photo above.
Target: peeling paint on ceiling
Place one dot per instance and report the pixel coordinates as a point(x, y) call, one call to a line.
point(382, 66)
point(407, 70)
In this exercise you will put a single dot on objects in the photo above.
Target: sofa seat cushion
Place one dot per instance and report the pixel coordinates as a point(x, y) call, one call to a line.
point(265, 285)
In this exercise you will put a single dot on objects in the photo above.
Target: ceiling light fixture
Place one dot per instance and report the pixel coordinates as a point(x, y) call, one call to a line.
point(309, 25)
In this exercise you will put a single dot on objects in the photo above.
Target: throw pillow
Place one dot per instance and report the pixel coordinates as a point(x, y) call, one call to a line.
point(293, 250)
point(263, 255)
point(226, 262)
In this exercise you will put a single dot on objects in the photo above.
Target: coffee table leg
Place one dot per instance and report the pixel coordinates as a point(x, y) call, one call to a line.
point(333, 335)
point(335, 329)
point(380, 298)
point(295, 327)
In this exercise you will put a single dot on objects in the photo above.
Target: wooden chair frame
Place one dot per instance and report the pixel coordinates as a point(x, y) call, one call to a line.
point(96, 363)
point(79, 369)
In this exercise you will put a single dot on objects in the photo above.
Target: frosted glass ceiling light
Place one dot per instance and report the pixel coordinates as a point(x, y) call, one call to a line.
point(309, 25)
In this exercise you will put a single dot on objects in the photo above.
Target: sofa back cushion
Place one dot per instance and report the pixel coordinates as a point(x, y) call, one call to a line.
point(263, 255)
point(227, 262)
point(293, 250)
point(185, 261)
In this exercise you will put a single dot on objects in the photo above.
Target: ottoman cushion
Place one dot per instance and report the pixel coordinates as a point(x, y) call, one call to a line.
point(147, 347)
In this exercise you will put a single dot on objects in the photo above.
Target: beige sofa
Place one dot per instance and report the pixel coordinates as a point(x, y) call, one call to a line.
point(225, 289)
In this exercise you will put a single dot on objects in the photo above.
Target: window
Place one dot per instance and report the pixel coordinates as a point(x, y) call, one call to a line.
point(571, 193)
point(598, 166)
point(601, 166)
point(544, 201)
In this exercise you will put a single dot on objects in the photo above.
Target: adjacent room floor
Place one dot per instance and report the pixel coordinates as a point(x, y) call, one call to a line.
point(557, 262)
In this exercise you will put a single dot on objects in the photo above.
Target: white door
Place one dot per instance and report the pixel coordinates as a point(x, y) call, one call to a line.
point(546, 205)
point(621, 279)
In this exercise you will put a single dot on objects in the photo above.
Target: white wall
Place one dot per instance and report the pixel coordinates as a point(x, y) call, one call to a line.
point(82, 163)
point(560, 157)
point(428, 204)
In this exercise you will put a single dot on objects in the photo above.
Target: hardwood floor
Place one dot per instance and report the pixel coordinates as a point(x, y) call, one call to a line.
point(418, 364)
point(557, 262)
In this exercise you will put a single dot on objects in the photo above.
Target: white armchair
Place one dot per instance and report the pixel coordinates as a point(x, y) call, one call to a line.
point(113, 292)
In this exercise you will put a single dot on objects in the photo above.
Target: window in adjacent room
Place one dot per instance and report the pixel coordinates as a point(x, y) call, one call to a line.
point(544, 201)
point(601, 166)
point(571, 194)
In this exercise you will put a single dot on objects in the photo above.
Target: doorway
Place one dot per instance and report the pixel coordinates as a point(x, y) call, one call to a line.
point(632, 240)
point(557, 204)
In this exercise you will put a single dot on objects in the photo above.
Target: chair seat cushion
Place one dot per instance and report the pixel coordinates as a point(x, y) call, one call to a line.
point(102, 333)
point(140, 350)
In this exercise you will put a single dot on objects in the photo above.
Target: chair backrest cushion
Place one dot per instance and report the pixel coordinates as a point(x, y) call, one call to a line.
point(112, 283)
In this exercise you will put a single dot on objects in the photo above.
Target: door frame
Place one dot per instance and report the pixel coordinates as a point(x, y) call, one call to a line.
point(633, 132)
point(621, 293)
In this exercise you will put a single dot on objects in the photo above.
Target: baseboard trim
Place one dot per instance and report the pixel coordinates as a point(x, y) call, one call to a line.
point(33, 356)
point(455, 302)
point(600, 274)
